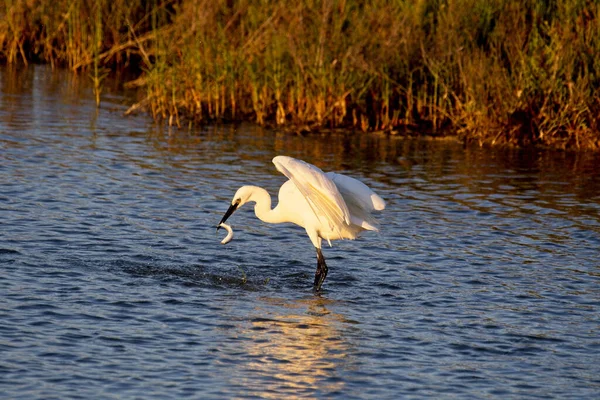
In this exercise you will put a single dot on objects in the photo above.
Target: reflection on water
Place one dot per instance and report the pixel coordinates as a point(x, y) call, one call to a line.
point(483, 282)
point(302, 354)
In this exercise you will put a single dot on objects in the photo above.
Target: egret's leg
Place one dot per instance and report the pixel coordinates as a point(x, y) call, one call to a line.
point(322, 269)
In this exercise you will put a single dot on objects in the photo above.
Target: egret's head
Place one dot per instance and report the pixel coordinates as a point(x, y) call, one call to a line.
point(241, 197)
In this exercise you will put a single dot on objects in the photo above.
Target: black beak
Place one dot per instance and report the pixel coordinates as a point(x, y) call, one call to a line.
point(232, 208)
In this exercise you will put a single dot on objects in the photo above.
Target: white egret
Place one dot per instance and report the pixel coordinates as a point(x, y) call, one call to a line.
point(328, 206)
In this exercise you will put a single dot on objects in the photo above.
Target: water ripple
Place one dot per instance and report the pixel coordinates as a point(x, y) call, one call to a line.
point(483, 282)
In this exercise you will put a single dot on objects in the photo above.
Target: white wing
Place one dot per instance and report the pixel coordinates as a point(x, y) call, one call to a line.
point(360, 199)
point(358, 191)
point(321, 193)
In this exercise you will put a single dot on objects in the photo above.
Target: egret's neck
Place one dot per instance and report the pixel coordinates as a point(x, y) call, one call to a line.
point(262, 209)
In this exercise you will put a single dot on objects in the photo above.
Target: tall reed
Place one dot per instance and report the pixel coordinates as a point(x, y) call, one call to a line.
point(98, 73)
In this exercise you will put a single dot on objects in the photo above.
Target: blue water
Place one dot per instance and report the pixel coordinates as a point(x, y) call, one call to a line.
point(484, 281)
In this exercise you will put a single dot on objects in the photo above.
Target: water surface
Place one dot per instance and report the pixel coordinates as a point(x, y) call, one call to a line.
point(483, 282)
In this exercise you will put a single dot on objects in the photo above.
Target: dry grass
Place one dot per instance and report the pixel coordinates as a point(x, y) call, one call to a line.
point(500, 71)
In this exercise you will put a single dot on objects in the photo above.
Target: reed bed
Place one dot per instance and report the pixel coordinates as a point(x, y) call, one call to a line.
point(492, 71)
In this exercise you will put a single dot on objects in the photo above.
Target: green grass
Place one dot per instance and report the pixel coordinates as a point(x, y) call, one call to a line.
point(491, 71)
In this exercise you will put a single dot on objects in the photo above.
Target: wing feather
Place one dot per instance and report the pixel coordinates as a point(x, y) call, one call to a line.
point(360, 199)
point(319, 190)
point(360, 193)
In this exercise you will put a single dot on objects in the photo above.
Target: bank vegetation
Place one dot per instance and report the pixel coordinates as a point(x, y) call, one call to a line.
point(515, 72)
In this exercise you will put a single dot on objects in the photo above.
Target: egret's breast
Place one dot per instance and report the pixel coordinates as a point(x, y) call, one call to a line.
point(294, 205)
